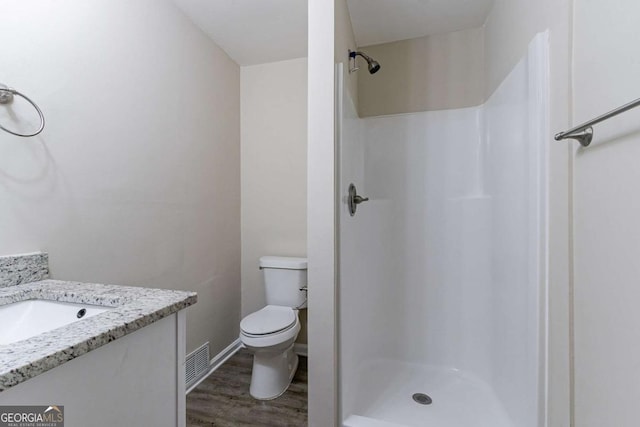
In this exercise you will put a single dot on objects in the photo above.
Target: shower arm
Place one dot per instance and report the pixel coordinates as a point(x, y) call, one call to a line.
point(353, 54)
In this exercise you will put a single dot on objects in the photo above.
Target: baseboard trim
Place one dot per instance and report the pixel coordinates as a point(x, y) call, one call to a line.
point(218, 360)
point(301, 349)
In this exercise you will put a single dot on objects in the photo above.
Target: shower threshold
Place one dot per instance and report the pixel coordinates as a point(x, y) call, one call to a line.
point(385, 398)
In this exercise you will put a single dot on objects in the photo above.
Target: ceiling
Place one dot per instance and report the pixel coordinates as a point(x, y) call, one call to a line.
point(252, 31)
point(260, 31)
point(383, 21)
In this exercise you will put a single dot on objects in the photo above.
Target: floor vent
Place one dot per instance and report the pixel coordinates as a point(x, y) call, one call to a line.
point(197, 364)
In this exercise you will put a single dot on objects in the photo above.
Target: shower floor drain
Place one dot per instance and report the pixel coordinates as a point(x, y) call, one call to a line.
point(422, 399)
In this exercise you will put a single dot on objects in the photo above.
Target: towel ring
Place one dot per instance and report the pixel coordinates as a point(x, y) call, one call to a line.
point(6, 97)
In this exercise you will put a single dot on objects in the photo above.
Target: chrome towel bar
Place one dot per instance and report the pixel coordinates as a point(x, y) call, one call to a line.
point(584, 132)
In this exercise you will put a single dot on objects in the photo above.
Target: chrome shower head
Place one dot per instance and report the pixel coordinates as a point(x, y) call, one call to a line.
point(372, 64)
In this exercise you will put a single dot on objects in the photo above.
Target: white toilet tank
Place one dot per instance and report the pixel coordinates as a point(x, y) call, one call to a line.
point(283, 279)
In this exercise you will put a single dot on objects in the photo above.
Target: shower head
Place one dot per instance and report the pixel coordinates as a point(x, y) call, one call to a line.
point(372, 64)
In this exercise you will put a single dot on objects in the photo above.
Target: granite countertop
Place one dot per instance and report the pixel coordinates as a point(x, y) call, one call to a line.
point(135, 308)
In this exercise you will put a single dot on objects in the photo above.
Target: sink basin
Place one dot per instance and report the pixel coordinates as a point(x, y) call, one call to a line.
point(25, 319)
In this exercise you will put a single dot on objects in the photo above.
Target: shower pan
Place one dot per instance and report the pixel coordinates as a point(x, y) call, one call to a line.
point(442, 278)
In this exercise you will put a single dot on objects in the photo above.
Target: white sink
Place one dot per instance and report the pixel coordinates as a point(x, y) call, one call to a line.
point(25, 319)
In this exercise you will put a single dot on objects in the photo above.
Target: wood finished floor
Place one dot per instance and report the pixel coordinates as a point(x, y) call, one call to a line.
point(223, 399)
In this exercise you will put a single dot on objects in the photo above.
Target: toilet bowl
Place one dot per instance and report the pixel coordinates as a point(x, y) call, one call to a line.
point(269, 333)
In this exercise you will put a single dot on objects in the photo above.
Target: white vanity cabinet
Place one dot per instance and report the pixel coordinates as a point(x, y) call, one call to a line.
point(135, 380)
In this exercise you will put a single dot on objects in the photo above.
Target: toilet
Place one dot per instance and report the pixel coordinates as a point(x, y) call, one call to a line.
point(270, 332)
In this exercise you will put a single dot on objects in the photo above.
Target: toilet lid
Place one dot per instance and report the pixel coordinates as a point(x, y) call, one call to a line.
point(268, 320)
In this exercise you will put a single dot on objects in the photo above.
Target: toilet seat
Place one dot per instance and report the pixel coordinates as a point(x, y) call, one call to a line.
point(270, 327)
point(269, 320)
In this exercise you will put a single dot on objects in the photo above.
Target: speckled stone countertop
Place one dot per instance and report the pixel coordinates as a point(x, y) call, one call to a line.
point(23, 268)
point(134, 308)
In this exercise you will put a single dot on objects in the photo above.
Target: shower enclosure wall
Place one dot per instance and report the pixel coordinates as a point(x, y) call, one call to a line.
point(442, 282)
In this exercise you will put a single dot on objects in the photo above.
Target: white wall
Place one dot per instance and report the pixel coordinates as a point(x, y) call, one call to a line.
point(274, 170)
point(321, 245)
point(136, 178)
point(607, 233)
point(515, 167)
point(359, 316)
point(344, 40)
point(438, 72)
point(509, 28)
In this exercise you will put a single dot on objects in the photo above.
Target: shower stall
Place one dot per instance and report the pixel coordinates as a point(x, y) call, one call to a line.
point(442, 294)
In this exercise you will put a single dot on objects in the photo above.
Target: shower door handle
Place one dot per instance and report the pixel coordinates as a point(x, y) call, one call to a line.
point(354, 199)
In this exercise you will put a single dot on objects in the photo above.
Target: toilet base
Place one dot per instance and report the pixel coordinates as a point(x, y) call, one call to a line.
point(272, 373)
